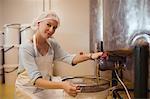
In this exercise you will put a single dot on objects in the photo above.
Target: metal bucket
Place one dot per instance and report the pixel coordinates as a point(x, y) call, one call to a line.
point(96, 95)
point(1, 56)
point(12, 35)
point(11, 54)
point(1, 63)
point(10, 73)
point(1, 38)
point(26, 32)
point(1, 74)
point(91, 87)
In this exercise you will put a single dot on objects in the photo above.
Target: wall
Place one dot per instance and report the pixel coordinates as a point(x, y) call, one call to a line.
point(20, 11)
point(0, 15)
point(73, 34)
point(74, 17)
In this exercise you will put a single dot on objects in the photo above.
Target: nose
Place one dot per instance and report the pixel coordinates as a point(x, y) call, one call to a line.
point(51, 29)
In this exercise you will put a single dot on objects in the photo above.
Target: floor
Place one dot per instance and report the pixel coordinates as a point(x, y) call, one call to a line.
point(6, 91)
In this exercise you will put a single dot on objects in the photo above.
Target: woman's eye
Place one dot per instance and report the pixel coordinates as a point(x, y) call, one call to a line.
point(55, 27)
point(49, 25)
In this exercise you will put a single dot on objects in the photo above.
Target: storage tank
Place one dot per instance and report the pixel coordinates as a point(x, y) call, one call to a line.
point(120, 24)
point(123, 21)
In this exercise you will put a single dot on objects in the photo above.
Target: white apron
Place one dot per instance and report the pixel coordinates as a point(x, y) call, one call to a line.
point(25, 90)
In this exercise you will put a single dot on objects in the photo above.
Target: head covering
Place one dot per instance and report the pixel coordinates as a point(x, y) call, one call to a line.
point(45, 16)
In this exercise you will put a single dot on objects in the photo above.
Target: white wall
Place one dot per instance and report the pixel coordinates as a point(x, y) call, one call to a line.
point(74, 25)
point(73, 34)
point(20, 11)
point(0, 15)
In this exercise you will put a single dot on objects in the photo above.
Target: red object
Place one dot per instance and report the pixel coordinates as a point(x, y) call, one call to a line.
point(81, 53)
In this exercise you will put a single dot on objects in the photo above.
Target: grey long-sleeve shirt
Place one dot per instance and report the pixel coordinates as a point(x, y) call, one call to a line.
point(27, 58)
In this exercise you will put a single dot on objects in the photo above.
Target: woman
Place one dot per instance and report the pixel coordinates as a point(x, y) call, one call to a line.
point(36, 58)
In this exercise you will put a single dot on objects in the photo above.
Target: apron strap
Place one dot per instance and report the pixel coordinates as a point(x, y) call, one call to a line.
point(34, 44)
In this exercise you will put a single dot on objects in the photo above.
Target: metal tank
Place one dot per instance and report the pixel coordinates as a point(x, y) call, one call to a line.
point(120, 25)
point(125, 21)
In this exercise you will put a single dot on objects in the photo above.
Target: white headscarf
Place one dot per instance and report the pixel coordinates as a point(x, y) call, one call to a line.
point(45, 16)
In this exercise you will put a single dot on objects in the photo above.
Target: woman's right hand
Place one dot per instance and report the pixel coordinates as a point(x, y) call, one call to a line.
point(70, 88)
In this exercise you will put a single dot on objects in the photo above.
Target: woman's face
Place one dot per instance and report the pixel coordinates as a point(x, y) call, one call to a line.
point(47, 28)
